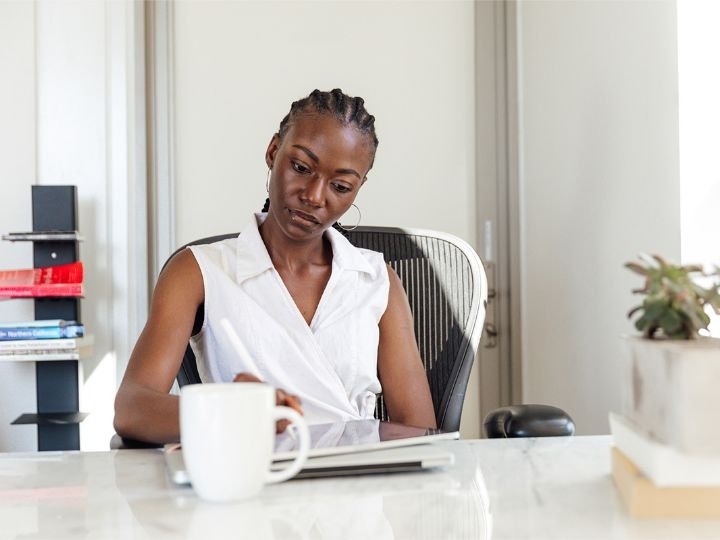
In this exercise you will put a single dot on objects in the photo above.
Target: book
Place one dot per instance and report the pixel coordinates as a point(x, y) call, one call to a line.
point(38, 323)
point(642, 498)
point(664, 465)
point(41, 332)
point(42, 236)
point(43, 356)
point(60, 280)
point(23, 346)
point(46, 350)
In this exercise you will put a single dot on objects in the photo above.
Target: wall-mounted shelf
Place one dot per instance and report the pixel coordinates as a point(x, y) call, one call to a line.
point(55, 241)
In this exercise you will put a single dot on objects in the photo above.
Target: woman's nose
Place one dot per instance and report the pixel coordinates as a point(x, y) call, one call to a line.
point(313, 193)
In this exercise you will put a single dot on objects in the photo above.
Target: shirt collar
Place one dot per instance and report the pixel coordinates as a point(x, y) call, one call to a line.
point(252, 257)
point(346, 256)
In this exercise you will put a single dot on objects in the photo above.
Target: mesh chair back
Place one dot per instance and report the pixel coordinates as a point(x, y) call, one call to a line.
point(447, 290)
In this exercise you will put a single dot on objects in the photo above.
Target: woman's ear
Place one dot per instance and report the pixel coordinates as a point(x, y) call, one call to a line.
point(272, 151)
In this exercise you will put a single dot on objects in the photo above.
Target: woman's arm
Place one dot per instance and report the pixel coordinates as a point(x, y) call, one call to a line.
point(143, 408)
point(402, 375)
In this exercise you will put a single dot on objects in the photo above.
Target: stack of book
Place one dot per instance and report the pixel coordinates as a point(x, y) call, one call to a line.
point(60, 280)
point(43, 340)
point(657, 479)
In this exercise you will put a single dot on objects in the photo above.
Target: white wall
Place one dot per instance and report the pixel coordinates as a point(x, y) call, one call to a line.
point(71, 149)
point(65, 121)
point(17, 173)
point(239, 65)
point(599, 183)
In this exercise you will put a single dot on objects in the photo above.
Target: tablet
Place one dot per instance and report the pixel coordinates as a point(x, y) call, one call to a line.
point(357, 436)
point(419, 457)
point(359, 447)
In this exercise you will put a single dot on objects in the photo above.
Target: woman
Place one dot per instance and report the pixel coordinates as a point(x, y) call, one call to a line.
point(328, 323)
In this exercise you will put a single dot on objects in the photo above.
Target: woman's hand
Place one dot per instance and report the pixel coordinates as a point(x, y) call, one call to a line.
point(281, 398)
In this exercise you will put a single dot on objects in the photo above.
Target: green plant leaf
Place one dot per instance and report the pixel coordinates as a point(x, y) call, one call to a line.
point(671, 322)
point(661, 261)
point(637, 268)
point(675, 297)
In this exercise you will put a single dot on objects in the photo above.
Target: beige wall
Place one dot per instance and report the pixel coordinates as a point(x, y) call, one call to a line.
point(598, 184)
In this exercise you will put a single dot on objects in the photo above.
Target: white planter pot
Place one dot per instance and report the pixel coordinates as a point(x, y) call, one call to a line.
point(672, 391)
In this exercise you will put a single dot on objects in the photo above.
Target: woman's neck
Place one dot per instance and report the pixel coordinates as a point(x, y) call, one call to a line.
point(294, 255)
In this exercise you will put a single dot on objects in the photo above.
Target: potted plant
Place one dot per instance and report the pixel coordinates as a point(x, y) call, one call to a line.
point(673, 390)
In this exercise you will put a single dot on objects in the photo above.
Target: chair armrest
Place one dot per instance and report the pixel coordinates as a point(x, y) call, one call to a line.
point(528, 421)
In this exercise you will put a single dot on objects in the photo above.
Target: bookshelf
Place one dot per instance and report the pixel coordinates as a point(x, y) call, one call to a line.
point(54, 208)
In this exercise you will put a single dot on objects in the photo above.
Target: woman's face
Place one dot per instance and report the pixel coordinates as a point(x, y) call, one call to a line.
point(317, 169)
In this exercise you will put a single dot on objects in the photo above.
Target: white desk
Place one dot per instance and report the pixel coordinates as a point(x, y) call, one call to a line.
point(515, 489)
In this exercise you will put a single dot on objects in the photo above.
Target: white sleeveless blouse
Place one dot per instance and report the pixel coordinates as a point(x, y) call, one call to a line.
point(330, 364)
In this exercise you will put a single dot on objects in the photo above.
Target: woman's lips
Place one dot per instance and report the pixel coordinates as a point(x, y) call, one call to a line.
point(303, 217)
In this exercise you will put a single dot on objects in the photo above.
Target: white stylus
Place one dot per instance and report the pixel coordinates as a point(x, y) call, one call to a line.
point(246, 359)
point(240, 349)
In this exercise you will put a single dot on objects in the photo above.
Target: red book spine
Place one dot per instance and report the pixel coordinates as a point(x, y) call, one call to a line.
point(61, 280)
point(49, 289)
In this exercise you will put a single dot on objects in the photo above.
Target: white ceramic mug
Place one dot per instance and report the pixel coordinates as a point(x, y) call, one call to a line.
point(227, 431)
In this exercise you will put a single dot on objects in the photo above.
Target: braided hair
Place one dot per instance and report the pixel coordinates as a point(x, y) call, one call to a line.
point(347, 110)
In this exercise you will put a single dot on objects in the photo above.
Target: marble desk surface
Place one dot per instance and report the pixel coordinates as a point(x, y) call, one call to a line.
point(501, 489)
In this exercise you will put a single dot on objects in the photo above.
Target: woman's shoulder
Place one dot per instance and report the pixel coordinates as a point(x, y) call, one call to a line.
point(180, 263)
point(219, 253)
point(180, 280)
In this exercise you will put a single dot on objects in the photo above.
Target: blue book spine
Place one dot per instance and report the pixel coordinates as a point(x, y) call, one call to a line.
point(47, 332)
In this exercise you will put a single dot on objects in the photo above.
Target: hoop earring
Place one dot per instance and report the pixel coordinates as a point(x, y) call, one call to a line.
point(267, 182)
point(348, 229)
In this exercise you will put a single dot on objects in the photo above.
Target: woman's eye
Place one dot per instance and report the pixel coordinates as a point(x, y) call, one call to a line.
point(342, 188)
point(299, 167)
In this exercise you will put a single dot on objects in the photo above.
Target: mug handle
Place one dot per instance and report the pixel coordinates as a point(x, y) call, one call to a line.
point(298, 421)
